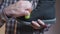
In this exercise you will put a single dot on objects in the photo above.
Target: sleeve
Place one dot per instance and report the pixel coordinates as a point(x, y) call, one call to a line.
point(2, 19)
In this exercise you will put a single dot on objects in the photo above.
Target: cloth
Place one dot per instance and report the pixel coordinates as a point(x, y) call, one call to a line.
point(10, 26)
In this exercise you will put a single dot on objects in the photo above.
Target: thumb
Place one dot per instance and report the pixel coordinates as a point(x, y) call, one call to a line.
point(27, 13)
point(27, 16)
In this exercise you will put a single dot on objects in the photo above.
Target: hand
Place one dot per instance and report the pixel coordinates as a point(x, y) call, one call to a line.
point(38, 25)
point(18, 9)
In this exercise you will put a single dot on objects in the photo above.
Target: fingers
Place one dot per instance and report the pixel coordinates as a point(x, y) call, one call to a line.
point(18, 9)
point(25, 4)
point(42, 23)
point(27, 13)
point(35, 25)
point(39, 24)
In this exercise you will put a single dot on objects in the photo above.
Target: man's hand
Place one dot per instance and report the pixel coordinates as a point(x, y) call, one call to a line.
point(21, 8)
point(38, 25)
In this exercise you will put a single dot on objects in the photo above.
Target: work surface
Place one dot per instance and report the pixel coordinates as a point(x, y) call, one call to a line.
point(2, 29)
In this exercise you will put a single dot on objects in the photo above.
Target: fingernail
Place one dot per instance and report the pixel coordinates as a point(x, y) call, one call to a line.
point(27, 13)
point(35, 23)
